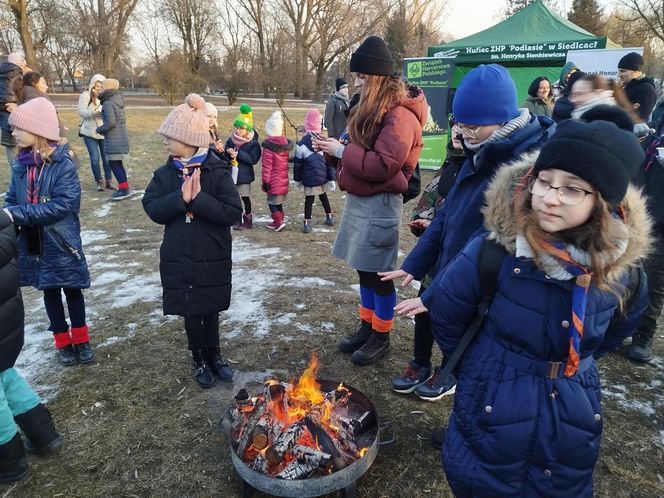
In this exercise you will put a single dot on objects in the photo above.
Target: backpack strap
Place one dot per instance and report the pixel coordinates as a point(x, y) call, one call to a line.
point(489, 260)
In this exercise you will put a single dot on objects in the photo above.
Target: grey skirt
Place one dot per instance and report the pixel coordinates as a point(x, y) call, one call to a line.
point(244, 189)
point(368, 236)
point(277, 199)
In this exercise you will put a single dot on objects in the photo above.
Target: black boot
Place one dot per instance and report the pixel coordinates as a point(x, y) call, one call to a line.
point(355, 341)
point(37, 425)
point(67, 355)
point(377, 346)
point(220, 368)
point(13, 465)
point(202, 370)
point(641, 348)
point(85, 353)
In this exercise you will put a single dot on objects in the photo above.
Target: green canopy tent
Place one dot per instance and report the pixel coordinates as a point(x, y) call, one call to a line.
point(533, 42)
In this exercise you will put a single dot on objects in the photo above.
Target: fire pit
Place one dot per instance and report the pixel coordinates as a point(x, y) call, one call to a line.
point(304, 439)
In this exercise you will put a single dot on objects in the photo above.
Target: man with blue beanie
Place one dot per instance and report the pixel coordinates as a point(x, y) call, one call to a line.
point(494, 131)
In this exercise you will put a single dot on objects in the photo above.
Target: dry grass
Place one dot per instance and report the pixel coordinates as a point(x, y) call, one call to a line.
point(154, 432)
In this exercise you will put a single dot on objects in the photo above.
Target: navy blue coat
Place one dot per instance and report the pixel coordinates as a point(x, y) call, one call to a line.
point(11, 304)
point(247, 155)
point(63, 263)
point(459, 218)
point(310, 167)
point(195, 256)
point(513, 431)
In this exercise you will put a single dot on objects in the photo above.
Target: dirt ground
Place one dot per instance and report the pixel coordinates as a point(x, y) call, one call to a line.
point(137, 425)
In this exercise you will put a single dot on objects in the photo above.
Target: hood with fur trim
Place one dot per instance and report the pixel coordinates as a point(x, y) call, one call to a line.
point(500, 219)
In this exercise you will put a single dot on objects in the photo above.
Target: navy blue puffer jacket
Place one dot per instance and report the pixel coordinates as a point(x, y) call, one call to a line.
point(310, 167)
point(515, 431)
point(247, 156)
point(62, 263)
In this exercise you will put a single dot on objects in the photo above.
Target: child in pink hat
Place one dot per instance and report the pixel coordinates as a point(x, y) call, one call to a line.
point(311, 171)
point(44, 200)
point(194, 197)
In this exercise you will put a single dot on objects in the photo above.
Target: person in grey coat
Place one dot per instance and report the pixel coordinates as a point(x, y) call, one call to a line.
point(114, 129)
point(336, 110)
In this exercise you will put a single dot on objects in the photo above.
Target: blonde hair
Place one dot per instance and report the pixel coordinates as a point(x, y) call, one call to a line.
point(42, 149)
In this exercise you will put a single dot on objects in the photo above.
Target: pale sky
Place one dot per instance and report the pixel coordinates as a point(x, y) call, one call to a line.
point(467, 17)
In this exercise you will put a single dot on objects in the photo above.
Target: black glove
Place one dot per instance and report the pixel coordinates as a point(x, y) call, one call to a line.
point(266, 187)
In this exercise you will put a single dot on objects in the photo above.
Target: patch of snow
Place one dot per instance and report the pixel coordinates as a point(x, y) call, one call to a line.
point(300, 306)
point(107, 278)
point(133, 230)
point(629, 403)
point(324, 230)
point(659, 440)
point(104, 210)
point(90, 236)
point(306, 282)
point(356, 287)
point(327, 326)
point(134, 289)
point(284, 319)
point(304, 328)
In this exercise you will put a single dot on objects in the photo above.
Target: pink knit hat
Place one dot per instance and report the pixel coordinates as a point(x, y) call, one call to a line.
point(37, 116)
point(188, 122)
point(312, 121)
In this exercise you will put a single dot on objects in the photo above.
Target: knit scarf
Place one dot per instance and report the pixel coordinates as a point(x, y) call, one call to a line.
point(342, 97)
point(606, 98)
point(239, 140)
point(504, 131)
point(564, 262)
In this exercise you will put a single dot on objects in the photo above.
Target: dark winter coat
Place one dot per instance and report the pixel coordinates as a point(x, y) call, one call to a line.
point(114, 129)
point(388, 166)
point(460, 217)
point(642, 91)
point(247, 155)
point(657, 119)
point(513, 431)
point(650, 177)
point(11, 304)
point(537, 106)
point(275, 164)
point(195, 256)
point(62, 263)
point(8, 71)
point(310, 167)
point(562, 109)
point(336, 115)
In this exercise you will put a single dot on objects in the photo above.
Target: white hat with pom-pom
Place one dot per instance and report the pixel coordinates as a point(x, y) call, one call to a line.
point(274, 126)
point(188, 122)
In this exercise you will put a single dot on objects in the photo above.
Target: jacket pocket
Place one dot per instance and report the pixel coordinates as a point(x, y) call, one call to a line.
point(66, 246)
point(383, 232)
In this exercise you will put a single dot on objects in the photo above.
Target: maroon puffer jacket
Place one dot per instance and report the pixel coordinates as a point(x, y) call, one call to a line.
point(275, 164)
point(389, 165)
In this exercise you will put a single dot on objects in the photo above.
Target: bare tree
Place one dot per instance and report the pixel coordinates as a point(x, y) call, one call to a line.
point(233, 41)
point(21, 11)
point(651, 12)
point(9, 41)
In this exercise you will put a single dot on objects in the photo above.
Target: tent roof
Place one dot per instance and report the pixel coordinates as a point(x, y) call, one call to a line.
point(535, 29)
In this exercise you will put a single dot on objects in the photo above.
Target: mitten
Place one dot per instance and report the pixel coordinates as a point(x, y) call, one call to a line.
point(330, 186)
point(266, 187)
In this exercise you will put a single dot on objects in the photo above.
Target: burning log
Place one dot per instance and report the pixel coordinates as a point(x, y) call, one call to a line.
point(248, 429)
point(297, 470)
point(260, 464)
point(275, 432)
point(307, 454)
point(325, 441)
point(284, 442)
point(260, 434)
point(356, 426)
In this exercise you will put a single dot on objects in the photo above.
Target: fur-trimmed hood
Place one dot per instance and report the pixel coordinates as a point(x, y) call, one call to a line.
point(500, 220)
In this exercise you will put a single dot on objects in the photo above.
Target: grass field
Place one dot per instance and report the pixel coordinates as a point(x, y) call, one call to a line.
point(137, 425)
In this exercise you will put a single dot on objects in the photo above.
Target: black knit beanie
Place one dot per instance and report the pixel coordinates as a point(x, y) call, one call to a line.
point(598, 152)
point(372, 57)
point(339, 83)
point(612, 113)
point(631, 62)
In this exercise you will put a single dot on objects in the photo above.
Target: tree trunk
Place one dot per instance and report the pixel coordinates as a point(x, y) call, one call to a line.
point(20, 10)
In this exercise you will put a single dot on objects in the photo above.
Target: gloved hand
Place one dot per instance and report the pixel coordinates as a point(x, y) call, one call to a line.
point(297, 186)
point(266, 187)
point(642, 130)
point(330, 186)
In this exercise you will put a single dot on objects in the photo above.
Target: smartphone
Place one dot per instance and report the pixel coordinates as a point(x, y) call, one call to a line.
point(317, 136)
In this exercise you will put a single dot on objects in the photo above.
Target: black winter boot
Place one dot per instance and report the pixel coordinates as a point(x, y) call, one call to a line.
point(377, 346)
point(37, 425)
point(641, 348)
point(355, 341)
point(218, 366)
point(202, 370)
point(13, 465)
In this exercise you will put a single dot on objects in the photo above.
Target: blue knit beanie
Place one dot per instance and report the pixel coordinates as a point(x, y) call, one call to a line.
point(486, 96)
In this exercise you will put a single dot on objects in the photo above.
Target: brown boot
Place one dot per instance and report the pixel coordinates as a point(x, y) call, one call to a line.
point(109, 185)
point(100, 185)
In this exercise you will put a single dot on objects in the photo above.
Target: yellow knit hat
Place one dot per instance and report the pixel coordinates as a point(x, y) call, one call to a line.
point(245, 118)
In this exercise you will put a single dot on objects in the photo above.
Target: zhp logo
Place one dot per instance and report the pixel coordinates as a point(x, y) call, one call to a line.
point(414, 70)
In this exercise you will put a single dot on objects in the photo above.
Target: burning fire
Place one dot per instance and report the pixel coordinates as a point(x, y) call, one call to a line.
point(293, 430)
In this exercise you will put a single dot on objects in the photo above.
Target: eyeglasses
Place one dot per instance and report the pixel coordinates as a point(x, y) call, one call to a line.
point(468, 132)
point(571, 196)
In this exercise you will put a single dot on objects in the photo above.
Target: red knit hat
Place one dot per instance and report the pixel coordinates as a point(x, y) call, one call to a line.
point(312, 121)
point(188, 122)
point(37, 116)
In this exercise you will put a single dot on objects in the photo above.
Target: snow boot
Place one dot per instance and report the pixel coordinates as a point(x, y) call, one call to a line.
point(80, 338)
point(357, 339)
point(108, 185)
point(247, 221)
point(13, 465)
point(37, 425)
point(641, 347)
point(100, 185)
point(376, 347)
point(279, 221)
point(218, 366)
point(202, 371)
point(329, 219)
point(65, 349)
point(306, 226)
point(274, 224)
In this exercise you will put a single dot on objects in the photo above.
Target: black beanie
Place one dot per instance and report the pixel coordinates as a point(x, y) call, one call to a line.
point(340, 82)
point(372, 57)
point(612, 113)
point(631, 62)
point(573, 78)
point(598, 152)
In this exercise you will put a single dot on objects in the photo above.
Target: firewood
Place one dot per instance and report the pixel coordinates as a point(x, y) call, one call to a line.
point(248, 429)
point(310, 455)
point(296, 470)
point(325, 441)
point(275, 431)
point(284, 442)
point(260, 434)
point(259, 464)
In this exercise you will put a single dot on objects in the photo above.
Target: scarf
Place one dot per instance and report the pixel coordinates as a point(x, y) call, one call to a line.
point(186, 167)
point(606, 97)
point(652, 155)
point(33, 161)
point(342, 97)
point(239, 141)
point(564, 262)
point(504, 131)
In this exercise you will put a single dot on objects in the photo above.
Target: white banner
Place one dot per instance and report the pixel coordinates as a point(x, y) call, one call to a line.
point(602, 61)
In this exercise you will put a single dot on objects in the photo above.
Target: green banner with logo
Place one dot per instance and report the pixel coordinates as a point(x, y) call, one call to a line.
point(434, 76)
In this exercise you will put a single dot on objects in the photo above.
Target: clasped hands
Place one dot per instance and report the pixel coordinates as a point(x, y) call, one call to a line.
point(191, 185)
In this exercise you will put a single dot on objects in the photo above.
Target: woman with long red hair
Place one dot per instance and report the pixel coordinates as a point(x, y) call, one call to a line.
point(384, 140)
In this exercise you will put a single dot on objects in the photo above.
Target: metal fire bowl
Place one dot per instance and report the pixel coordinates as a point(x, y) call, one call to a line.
point(316, 486)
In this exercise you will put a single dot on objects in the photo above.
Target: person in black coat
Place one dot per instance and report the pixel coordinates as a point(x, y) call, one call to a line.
point(193, 195)
point(563, 107)
point(18, 402)
point(11, 68)
point(639, 88)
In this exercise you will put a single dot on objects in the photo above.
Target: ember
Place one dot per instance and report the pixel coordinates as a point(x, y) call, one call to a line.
point(294, 430)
